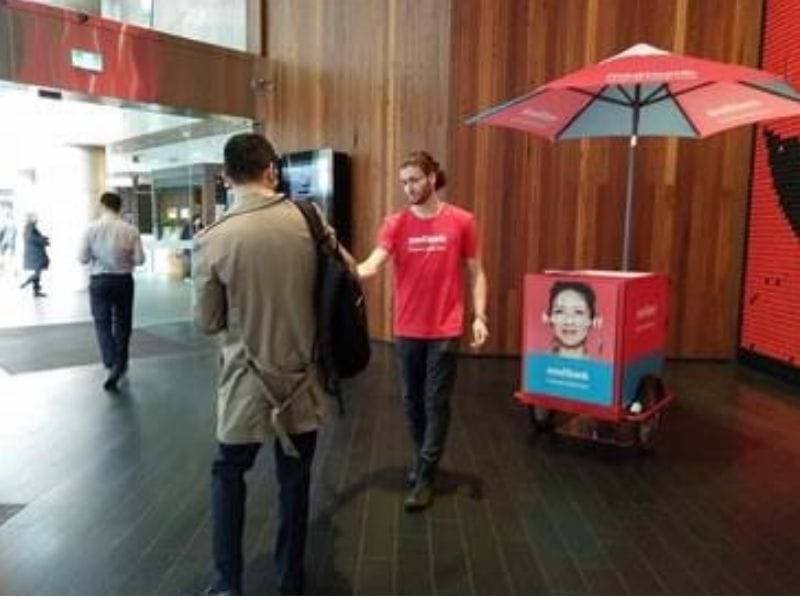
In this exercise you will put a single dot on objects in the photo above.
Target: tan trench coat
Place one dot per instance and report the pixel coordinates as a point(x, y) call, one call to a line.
point(253, 275)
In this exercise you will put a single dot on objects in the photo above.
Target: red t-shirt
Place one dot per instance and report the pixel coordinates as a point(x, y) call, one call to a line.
point(428, 259)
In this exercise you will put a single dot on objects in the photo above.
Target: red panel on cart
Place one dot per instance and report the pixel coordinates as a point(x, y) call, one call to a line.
point(569, 339)
point(589, 337)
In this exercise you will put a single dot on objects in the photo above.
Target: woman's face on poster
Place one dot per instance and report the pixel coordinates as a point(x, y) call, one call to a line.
point(570, 319)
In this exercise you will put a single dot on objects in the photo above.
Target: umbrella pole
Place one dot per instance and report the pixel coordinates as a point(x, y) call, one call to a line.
point(626, 243)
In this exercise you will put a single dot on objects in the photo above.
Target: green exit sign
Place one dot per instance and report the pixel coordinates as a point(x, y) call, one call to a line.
point(86, 60)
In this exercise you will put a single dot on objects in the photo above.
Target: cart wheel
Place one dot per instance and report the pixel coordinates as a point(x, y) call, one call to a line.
point(651, 390)
point(541, 418)
point(647, 431)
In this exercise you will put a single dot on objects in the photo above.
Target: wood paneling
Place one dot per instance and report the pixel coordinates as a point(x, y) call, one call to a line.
point(379, 78)
point(365, 77)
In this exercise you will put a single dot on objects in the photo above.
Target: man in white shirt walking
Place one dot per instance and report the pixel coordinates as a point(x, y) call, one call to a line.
point(113, 248)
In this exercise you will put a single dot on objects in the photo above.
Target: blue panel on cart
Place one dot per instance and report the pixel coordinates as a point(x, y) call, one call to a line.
point(649, 364)
point(585, 380)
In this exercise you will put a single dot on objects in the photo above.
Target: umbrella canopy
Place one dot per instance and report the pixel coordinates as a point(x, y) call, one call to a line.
point(645, 91)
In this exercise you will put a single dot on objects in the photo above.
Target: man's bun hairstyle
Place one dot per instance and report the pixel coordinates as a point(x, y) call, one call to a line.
point(425, 163)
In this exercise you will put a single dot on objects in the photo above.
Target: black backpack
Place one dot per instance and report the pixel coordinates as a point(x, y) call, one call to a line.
point(342, 345)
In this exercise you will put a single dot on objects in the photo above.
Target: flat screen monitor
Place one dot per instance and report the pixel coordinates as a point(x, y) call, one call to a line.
point(320, 176)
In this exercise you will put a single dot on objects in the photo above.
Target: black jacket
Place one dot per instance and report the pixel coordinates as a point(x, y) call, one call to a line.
point(35, 257)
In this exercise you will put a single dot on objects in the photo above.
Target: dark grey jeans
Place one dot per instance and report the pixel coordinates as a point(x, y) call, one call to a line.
point(228, 502)
point(111, 300)
point(427, 373)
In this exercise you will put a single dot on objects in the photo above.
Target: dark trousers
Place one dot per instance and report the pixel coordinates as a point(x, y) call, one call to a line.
point(111, 298)
point(427, 374)
point(228, 498)
point(36, 280)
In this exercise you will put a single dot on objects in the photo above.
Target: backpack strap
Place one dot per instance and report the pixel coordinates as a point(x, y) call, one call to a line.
point(321, 238)
point(314, 221)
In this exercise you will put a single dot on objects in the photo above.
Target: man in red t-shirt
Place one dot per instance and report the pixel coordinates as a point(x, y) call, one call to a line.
point(429, 244)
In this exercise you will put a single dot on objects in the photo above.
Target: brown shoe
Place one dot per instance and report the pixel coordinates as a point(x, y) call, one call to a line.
point(419, 498)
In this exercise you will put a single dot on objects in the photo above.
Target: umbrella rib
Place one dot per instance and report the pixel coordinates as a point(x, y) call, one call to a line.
point(651, 96)
point(768, 91)
point(583, 109)
point(656, 100)
point(683, 111)
point(625, 93)
point(691, 89)
point(598, 95)
point(502, 106)
point(665, 88)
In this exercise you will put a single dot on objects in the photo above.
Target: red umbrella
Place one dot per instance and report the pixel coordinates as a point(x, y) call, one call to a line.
point(645, 91)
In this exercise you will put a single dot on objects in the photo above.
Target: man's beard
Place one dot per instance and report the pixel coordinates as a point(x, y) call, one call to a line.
point(422, 198)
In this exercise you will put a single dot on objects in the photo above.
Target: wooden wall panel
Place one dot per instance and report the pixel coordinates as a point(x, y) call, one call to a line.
point(377, 78)
point(366, 77)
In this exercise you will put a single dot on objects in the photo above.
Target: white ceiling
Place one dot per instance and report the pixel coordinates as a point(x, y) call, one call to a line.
point(23, 114)
point(29, 123)
point(192, 151)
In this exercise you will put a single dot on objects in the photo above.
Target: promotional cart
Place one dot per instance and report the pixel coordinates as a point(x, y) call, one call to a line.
point(593, 354)
point(604, 369)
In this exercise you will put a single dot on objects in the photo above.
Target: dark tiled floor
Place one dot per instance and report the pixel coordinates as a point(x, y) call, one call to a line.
point(116, 490)
point(49, 347)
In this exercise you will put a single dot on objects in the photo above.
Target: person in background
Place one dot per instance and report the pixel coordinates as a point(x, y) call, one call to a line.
point(35, 257)
point(429, 243)
point(113, 248)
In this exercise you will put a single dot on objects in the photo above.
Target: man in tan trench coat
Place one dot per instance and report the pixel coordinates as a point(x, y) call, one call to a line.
point(253, 275)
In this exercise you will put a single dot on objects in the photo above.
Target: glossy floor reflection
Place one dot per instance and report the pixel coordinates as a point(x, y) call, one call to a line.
point(158, 300)
point(115, 489)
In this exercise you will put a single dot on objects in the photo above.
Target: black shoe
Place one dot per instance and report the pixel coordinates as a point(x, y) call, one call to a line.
point(411, 477)
point(110, 384)
point(212, 591)
point(116, 374)
point(419, 498)
point(39, 295)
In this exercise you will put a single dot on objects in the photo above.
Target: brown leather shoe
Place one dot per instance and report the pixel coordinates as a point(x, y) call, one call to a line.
point(419, 498)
